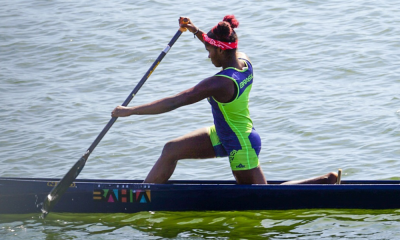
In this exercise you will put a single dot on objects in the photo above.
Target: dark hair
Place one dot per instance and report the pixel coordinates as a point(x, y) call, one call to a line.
point(223, 31)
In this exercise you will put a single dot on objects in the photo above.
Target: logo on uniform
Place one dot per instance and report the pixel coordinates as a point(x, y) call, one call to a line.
point(232, 155)
point(240, 166)
point(247, 80)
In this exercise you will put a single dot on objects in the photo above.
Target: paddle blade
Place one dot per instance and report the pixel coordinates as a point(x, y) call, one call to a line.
point(58, 190)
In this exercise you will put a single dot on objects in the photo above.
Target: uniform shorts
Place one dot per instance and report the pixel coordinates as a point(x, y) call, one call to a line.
point(240, 157)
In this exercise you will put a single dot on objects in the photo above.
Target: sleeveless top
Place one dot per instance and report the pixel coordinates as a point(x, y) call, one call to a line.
point(232, 120)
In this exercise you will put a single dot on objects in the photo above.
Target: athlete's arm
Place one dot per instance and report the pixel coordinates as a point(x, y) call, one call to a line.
point(220, 88)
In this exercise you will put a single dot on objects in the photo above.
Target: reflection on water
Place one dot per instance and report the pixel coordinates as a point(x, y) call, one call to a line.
point(295, 224)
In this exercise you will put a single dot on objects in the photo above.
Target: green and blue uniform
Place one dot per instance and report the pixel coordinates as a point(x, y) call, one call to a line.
point(233, 133)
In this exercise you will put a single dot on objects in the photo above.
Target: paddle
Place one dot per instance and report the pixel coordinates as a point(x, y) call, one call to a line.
point(58, 190)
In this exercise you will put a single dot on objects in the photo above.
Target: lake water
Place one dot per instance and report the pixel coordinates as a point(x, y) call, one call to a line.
point(326, 95)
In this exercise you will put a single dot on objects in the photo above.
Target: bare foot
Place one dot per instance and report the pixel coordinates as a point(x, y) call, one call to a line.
point(331, 178)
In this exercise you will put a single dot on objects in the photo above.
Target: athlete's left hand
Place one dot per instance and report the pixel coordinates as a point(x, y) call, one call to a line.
point(189, 25)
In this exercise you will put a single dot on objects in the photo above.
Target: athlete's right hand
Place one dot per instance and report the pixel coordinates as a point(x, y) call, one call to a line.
point(121, 111)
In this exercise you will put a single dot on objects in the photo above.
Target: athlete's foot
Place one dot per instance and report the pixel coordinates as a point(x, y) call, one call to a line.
point(331, 178)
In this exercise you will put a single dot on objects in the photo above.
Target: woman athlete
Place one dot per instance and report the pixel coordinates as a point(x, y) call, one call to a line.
point(232, 134)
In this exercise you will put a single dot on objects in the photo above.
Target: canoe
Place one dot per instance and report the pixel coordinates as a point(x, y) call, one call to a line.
point(25, 195)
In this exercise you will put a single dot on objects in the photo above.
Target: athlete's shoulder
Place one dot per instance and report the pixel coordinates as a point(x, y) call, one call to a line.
point(243, 56)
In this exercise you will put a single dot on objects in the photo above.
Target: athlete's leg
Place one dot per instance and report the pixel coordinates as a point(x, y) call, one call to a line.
point(196, 144)
point(252, 176)
point(329, 178)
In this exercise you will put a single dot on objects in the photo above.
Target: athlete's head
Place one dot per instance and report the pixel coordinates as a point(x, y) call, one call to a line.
point(221, 41)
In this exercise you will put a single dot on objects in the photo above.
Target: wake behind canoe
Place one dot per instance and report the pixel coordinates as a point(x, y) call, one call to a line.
point(24, 195)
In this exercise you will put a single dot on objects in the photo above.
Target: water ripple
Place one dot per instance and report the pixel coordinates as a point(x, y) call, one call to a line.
point(325, 96)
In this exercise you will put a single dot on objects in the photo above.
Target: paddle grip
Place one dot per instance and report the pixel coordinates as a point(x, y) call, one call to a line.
point(183, 20)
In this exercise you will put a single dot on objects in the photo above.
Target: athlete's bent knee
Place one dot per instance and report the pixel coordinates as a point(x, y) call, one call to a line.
point(169, 151)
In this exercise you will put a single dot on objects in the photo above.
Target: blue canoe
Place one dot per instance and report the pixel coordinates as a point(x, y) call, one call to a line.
point(25, 195)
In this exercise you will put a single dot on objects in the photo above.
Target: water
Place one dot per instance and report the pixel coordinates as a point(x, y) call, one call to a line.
point(299, 224)
point(326, 96)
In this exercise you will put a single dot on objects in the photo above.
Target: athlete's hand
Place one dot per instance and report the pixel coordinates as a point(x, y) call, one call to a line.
point(121, 111)
point(189, 25)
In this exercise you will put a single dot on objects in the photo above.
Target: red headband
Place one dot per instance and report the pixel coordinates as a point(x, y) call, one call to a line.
point(222, 45)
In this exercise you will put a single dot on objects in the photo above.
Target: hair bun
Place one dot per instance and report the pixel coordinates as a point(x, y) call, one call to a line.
point(231, 20)
point(223, 31)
